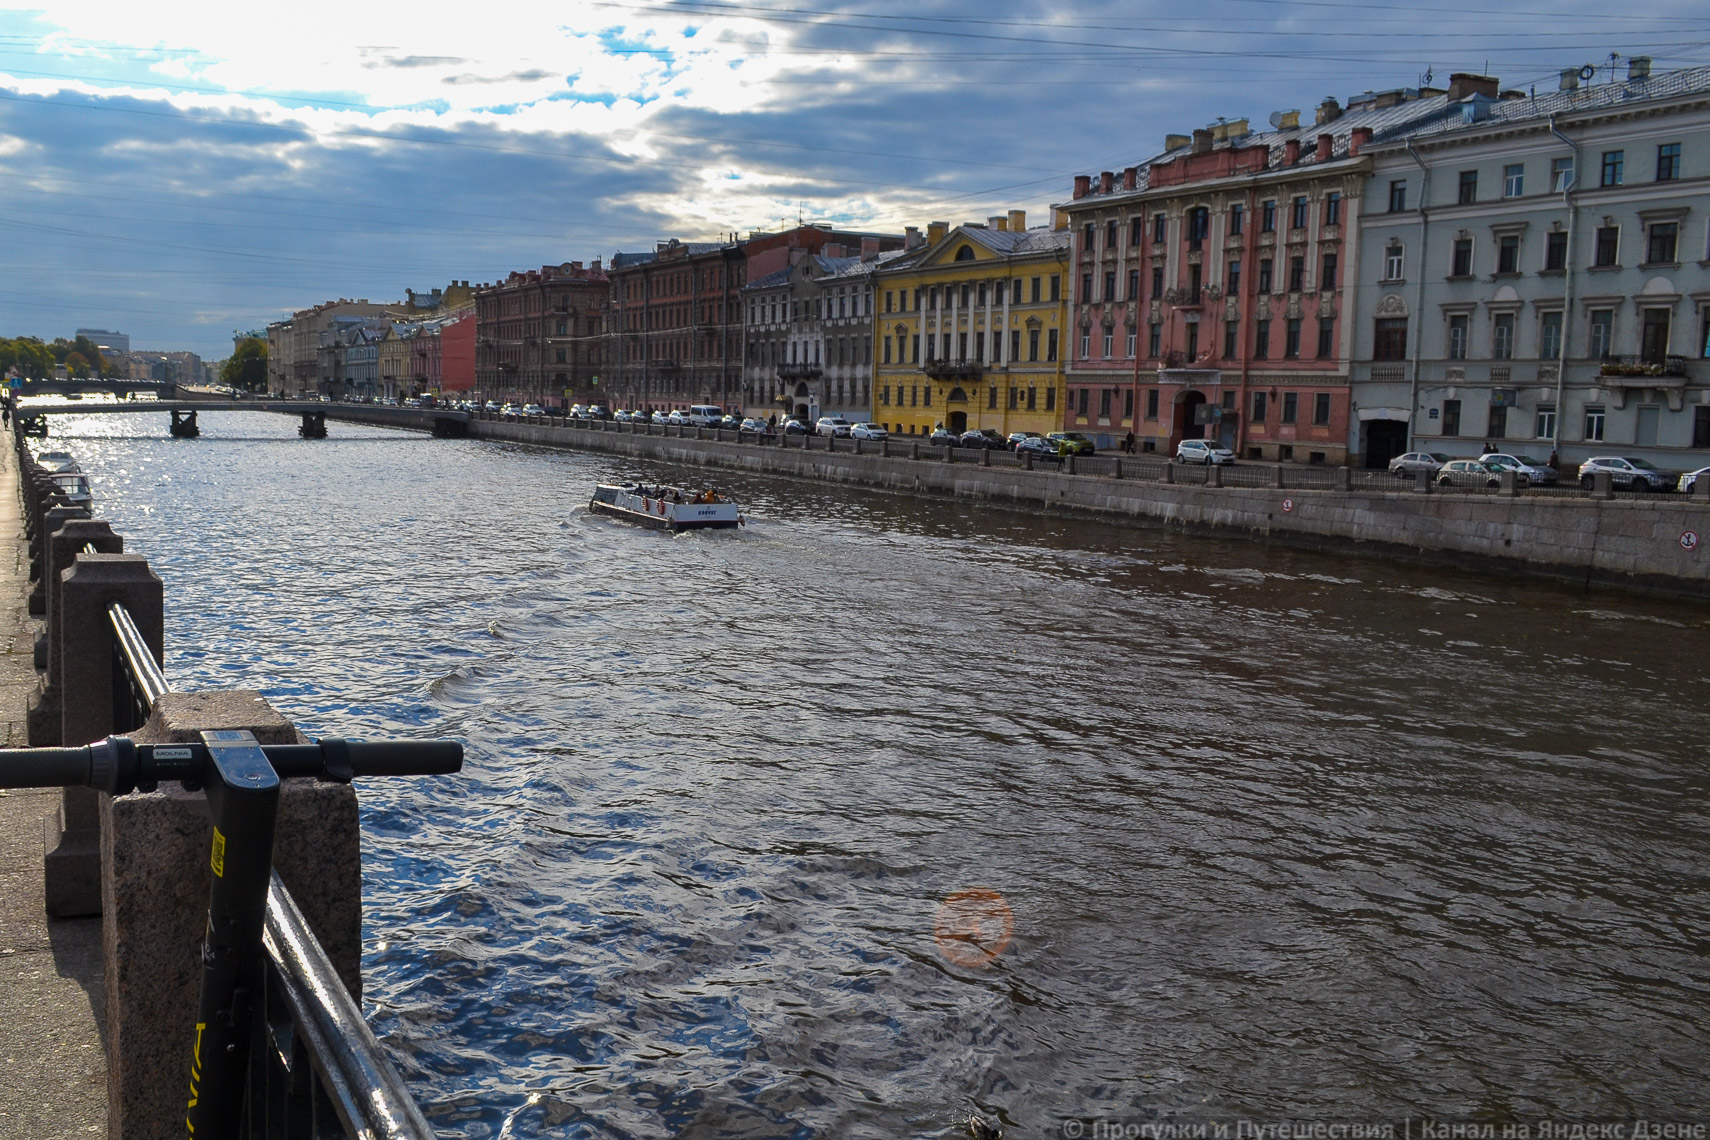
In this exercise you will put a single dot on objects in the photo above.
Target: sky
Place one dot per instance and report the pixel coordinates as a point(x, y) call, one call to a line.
point(184, 171)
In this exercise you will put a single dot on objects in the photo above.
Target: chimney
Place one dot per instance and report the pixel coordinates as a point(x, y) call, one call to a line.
point(996, 222)
point(911, 237)
point(1175, 142)
point(1291, 152)
point(1106, 182)
point(595, 267)
point(833, 249)
point(1462, 84)
point(1017, 221)
point(1358, 138)
point(1326, 143)
point(1288, 120)
point(1083, 183)
point(1059, 219)
point(935, 231)
point(1201, 141)
point(869, 249)
point(1638, 68)
point(1130, 178)
point(1328, 111)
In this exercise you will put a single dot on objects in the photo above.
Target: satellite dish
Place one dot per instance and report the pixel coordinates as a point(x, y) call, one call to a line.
point(1276, 120)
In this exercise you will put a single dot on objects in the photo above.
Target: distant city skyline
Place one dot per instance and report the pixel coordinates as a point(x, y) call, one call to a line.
point(181, 177)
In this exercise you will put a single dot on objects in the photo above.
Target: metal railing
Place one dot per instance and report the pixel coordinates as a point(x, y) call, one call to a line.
point(314, 1067)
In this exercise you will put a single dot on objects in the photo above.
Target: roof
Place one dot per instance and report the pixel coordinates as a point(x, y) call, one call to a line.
point(1044, 239)
point(1602, 97)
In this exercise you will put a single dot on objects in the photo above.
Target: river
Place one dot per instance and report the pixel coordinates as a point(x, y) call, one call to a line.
point(1277, 834)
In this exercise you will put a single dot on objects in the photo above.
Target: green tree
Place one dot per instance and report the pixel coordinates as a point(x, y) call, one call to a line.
point(246, 368)
point(77, 365)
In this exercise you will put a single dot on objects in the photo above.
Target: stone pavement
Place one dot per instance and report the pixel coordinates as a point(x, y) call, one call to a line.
point(53, 1069)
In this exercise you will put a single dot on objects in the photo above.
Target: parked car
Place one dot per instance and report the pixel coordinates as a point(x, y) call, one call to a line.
point(678, 416)
point(944, 437)
point(578, 411)
point(1206, 451)
point(1039, 447)
point(1689, 481)
point(833, 426)
point(754, 425)
point(1408, 465)
point(730, 423)
point(869, 431)
point(983, 437)
point(1071, 443)
point(1536, 471)
point(659, 418)
point(794, 426)
point(598, 412)
point(1471, 473)
point(533, 410)
point(1015, 438)
point(622, 416)
point(704, 415)
point(1626, 471)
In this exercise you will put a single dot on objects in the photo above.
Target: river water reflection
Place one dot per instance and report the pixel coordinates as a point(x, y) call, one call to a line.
point(1282, 834)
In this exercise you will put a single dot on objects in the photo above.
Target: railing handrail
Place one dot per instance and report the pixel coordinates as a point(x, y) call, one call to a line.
point(146, 677)
point(363, 1085)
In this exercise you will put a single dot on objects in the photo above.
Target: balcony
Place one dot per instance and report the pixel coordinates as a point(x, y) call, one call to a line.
point(953, 369)
point(799, 372)
point(1666, 375)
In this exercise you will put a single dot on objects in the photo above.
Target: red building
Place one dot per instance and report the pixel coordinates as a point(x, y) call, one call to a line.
point(1208, 288)
point(538, 336)
point(442, 353)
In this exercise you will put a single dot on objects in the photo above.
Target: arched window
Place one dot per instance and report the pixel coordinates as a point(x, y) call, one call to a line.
point(966, 253)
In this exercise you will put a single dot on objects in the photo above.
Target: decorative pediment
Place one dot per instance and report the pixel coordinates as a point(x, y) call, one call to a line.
point(1326, 307)
point(1391, 305)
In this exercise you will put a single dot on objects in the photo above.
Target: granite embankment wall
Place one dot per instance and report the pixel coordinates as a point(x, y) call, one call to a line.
point(1637, 543)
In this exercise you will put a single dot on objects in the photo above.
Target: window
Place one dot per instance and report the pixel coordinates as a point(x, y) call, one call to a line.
point(1110, 286)
point(1390, 341)
point(1056, 288)
point(991, 398)
point(1508, 254)
point(1296, 274)
point(1128, 403)
point(1297, 219)
point(1051, 344)
point(1087, 236)
point(1546, 422)
point(1290, 407)
point(1237, 215)
point(1261, 339)
point(1663, 236)
point(1555, 251)
point(1151, 403)
point(885, 351)
point(1268, 216)
point(1081, 407)
point(1601, 332)
point(1513, 180)
point(1104, 404)
point(1194, 282)
point(1131, 335)
point(1136, 227)
point(1231, 338)
point(1668, 162)
point(1107, 343)
point(1193, 340)
point(1133, 284)
point(1497, 425)
point(1110, 234)
point(1260, 400)
point(1199, 226)
point(1034, 292)
point(1157, 282)
point(1613, 162)
point(1461, 263)
point(1608, 246)
point(1594, 423)
point(1326, 338)
point(1321, 408)
point(1158, 225)
point(1561, 175)
point(1502, 337)
point(1086, 288)
point(1234, 278)
point(1033, 398)
point(1327, 279)
point(1264, 275)
point(1653, 336)
point(1701, 426)
point(1033, 344)
point(1086, 345)
point(1154, 340)
point(1398, 196)
point(1392, 259)
point(1550, 335)
point(1333, 208)
point(1291, 338)
point(1014, 398)
point(1469, 187)
point(1451, 417)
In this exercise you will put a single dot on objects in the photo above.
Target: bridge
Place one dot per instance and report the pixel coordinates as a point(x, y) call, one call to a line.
point(92, 387)
point(444, 423)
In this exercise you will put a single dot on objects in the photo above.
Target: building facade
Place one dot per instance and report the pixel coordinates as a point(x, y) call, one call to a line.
point(538, 336)
point(1210, 298)
point(674, 326)
point(969, 330)
point(298, 349)
point(1538, 275)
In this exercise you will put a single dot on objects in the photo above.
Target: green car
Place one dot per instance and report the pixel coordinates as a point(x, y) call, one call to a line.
point(1071, 443)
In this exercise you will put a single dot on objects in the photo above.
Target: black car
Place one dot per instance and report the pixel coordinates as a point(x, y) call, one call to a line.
point(1040, 448)
point(983, 437)
point(942, 437)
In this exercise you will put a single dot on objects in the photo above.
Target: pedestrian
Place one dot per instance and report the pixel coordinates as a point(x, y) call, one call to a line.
point(1128, 443)
point(1555, 464)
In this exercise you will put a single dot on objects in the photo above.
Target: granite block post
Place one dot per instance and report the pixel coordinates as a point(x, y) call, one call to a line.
point(1069, 464)
point(1344, 479)
point(1601, 485)
point(1169, 475)
point(1277, 476)
point(986, 458)
point(1508, 484)
point(86, 688)
point(1422, 482)
point(155, 886)
point(1214, 475)
point(1701, 488)
point(54, 517)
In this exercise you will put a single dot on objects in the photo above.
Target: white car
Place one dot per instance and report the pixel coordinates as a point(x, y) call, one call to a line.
point(1627, 472)
point(1203, 451)
point(678, 417)
point(833, 425)
point(533, 410)
point(1689, 481)
point(659, 418)
point(1536, 470)
point(869, 431)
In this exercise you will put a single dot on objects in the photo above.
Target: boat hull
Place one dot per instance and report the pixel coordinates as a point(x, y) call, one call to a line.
point(658, 513)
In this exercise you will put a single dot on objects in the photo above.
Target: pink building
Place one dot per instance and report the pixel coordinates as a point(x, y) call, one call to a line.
point(442, 353)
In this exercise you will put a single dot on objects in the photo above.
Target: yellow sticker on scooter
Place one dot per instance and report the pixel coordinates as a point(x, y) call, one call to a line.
point(218, 860)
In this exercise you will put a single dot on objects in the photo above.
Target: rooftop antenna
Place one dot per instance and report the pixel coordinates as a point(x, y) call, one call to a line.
point(1425, 79)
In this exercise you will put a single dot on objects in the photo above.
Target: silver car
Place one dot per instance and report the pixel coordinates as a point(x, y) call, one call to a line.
point(1472, 473)
point(1537, 470)
point(1427, 461)
point(1627, 472)
point(1203, 451)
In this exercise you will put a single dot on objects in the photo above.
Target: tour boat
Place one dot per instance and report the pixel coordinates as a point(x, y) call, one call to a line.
point(666, 508)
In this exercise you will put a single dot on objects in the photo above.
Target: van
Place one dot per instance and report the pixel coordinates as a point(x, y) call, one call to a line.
point(705, 415)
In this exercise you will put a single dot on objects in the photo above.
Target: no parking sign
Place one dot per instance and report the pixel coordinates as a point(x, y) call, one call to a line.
point(1287, 505)
point(1689, 540)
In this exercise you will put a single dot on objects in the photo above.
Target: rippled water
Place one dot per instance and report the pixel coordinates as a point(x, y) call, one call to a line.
point(1282, 834)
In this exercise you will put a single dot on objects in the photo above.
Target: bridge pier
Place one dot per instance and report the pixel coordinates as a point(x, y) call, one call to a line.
point(184, 425)
point(314, 425)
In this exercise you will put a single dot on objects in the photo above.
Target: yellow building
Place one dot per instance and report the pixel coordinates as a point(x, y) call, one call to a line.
point(969, 332)
point(394, 362)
